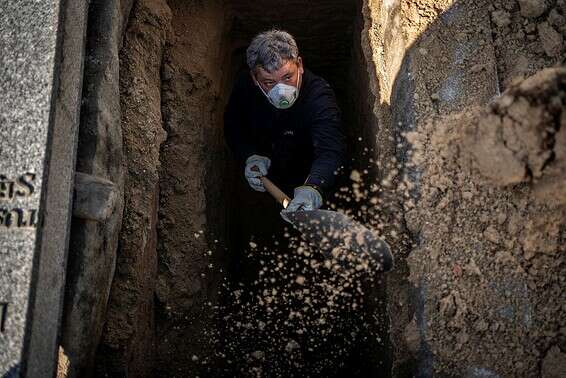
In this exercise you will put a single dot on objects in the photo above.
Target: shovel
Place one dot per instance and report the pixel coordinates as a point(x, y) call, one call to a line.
point(347, 243)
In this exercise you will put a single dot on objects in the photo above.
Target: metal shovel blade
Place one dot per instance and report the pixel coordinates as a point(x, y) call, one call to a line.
point(342, 239)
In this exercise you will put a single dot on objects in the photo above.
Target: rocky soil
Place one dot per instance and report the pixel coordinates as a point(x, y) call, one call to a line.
point(491, 224)
point(480, 205)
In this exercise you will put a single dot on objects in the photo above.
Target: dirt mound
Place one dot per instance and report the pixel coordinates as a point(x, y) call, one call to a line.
point(490, 257)
point(522, 137)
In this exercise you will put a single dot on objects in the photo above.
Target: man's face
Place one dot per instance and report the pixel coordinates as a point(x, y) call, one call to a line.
point(287, 74)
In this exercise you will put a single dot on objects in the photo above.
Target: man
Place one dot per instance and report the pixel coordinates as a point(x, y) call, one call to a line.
point(283, 122)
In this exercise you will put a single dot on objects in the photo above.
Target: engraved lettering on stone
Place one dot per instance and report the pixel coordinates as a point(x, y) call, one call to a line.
point(11, 188)
point(3, 316)
point(21, 186)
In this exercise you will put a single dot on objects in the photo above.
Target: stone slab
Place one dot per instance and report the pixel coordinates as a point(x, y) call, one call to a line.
point(30, 57)
point(44, 339)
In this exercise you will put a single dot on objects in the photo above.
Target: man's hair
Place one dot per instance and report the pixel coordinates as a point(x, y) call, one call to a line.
point(271, 49)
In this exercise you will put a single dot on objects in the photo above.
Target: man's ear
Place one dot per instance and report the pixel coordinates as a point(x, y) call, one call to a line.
point(300, 64)
point(252, 74)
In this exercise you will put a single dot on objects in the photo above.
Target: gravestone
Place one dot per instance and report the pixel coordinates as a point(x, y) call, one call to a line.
point(40, 84)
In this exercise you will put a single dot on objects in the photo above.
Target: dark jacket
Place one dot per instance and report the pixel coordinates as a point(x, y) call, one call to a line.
point(305, 142)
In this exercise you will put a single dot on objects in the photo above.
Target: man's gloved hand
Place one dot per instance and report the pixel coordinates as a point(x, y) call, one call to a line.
point(305, 198)
point(252, 174)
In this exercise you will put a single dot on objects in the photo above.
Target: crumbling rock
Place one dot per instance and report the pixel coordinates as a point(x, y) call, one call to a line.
point(551, 40)
point(532, 8)
point(518, 138)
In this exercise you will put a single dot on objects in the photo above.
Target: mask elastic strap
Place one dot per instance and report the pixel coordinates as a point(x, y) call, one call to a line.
point(298, 83)
point(262, 91)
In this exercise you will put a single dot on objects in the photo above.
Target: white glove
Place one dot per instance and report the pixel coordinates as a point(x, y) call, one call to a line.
point(305, 198)
point(261, 164)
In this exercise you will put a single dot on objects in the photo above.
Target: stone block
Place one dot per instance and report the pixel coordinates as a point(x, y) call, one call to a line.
point(95, 197)
point(40, 82)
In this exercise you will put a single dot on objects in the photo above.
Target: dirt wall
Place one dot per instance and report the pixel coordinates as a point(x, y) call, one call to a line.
point(359, 195)
point(458, 306)
point(192, 202)
point(491, 252)
point(166, 273)
point(128, 344)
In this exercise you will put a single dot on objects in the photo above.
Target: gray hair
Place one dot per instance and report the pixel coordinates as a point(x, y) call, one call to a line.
point(270, 49)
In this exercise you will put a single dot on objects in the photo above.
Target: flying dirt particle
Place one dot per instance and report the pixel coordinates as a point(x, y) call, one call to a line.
point(300, 280)
point(291, 346)
point(532, 8)
point(360, 238)
point(194, 358)
point(355, 176)
point(258, 354)
point(360, 267)
point(253, 245)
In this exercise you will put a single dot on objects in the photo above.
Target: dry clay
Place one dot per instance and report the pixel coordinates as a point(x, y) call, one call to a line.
point(492, 224)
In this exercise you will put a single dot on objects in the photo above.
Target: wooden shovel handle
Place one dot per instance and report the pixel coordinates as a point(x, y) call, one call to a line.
point(277, 193)
point(272, 189)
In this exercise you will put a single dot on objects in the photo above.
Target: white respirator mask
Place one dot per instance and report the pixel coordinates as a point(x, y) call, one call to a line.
point(282, 96)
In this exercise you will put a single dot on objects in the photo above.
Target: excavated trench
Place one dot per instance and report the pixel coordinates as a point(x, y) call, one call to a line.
point(194, 274)
point(222, 244)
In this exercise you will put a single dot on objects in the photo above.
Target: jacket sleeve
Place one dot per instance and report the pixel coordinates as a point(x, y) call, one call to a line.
point(329, 142)
point(236, 132)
